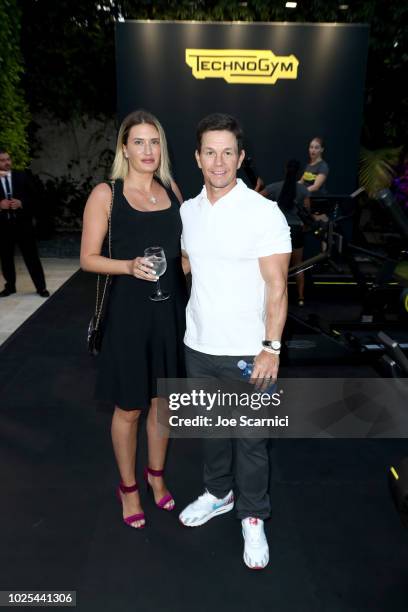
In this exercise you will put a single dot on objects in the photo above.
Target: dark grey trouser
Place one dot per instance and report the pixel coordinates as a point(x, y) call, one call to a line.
point(19, 231)
point(251, 454)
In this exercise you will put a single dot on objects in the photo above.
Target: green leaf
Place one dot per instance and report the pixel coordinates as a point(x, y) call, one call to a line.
point(377, 168)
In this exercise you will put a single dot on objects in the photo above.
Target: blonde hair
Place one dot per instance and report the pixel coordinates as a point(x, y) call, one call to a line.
point(120, 166)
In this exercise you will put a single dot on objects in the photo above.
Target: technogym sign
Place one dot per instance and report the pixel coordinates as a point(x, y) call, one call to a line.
point(241, 65)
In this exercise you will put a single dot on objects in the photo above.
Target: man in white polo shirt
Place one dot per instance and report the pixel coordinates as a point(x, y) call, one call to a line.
point(238, 246)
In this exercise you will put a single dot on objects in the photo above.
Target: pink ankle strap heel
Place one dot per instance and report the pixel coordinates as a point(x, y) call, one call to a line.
point(164, 500)
point(133, 517)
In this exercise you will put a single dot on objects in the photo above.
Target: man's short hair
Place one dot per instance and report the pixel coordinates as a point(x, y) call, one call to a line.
point(3, 150)
point(220, 121)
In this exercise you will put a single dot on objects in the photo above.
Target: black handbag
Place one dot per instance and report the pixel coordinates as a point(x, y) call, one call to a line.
point(96, 324)
point(398, 484)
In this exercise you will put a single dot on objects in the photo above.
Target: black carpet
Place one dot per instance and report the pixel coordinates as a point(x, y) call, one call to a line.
point(335, 542)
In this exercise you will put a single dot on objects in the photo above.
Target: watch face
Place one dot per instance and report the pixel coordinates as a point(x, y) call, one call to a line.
point(276, 345)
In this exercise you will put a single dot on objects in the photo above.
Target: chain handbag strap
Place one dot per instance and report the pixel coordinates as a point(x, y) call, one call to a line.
point(99, 305)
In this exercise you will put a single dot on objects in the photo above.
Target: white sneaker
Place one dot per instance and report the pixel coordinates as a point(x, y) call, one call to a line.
point(256, 549)
point(205, 508)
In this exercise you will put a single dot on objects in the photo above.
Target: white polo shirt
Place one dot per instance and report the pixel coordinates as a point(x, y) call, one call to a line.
point(225, 313)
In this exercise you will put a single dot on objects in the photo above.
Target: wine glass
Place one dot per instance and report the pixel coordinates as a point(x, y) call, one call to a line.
point(157, 257)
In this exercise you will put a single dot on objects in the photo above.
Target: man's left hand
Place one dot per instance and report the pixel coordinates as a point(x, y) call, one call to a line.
point(15, 204)
point(265, 372)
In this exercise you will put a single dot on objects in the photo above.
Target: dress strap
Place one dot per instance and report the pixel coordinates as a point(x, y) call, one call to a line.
point(118, 191)
point(169, 191)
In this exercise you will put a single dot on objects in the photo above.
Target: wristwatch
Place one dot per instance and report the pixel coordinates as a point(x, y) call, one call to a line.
point(274, 344)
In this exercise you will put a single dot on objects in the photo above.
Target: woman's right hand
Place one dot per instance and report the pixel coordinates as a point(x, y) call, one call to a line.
point(140, 267)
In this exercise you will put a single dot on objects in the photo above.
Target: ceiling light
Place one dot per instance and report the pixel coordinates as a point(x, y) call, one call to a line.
point(291, 4)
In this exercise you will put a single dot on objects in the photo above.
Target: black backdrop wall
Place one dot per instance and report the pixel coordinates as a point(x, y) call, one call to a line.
point(321, 70)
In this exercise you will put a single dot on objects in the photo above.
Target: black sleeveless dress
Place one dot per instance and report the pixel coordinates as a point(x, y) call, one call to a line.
point(143, 340)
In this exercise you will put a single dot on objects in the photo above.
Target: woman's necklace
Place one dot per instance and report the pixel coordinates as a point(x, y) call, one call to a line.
point(152, 199)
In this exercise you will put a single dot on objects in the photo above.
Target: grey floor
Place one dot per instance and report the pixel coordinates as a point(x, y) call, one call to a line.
point(17, 308)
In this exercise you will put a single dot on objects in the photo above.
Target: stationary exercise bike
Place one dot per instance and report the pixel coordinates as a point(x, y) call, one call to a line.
point(383, 297)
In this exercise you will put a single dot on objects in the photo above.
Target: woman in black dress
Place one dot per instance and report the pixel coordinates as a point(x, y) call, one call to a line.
point(143, 339)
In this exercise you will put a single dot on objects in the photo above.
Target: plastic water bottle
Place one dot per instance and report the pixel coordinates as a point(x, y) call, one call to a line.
point(246, 372)
point(246, 368)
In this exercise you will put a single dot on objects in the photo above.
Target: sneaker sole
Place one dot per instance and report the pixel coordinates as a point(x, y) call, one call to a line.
point(214, 513)
point(255, 567)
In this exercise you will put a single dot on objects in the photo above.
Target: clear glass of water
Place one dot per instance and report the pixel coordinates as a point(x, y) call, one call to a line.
point(157, 257)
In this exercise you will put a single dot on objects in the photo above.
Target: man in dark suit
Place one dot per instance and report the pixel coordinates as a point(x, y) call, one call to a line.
point(16, 226)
